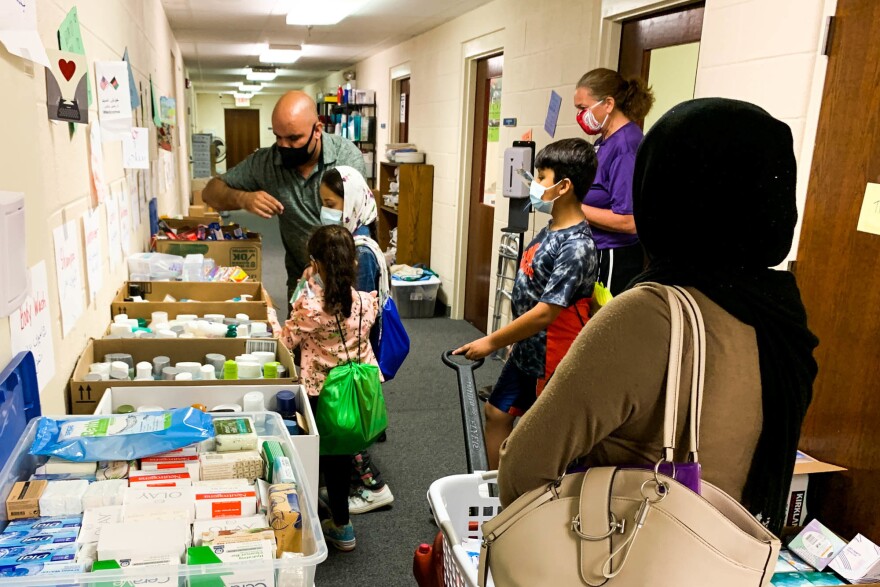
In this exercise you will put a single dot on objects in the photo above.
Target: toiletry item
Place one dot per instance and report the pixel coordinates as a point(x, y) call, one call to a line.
point(216, 360)
point(159, 317)
point(190, 367)
point(144, 371)
point(178, 329)
point(63, 498)
point(243, 331)
point(104, 493)
point(285, 405)
point(270, 370)
point(230, 370)
point(24, 499)
point(102, 369)
point(124, 409)
point(225, 408)
point(155, 501)
point(143, 409)
point(237, 537)
point(47, 541)
point(215, 317)
point(232, 331)
point(57, 465)
point(120, 329)
point(171, 461)
point(254, 401)
point(115, 469)
point(160, 363)
point(282, 371)
point(264, 357)
point(231, 465)
point(179, 477)
point(123, 357)
point(183, 377)
point(120, 319)
point(285, 517)
point(282, 471)
point(259, 328)
point(207, 372)
point(170, 373)
point(200, 527)
point(235, 434)
point(246, 357)
point(119, 371)
point(242, 317)
point(93, 377)
point(166, 334)
point(142, 539)
point(224, 502)
point(271, 449)
point(45, 524)
point(249, 370)
point(135, 563)
point(202, 408)
point(234, 553)
point(186, 317)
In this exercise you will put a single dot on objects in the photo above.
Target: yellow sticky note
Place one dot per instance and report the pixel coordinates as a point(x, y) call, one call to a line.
point(869, 218)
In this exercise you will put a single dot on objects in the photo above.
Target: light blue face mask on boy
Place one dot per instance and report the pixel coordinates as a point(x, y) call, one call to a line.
point(330, 216)
point(536, 194)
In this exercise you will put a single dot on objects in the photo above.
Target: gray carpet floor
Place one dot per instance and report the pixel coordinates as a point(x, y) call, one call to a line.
point(425, 440)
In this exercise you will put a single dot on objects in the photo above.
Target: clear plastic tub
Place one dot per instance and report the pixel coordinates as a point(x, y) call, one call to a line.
point(415, 299)
point(285, 572)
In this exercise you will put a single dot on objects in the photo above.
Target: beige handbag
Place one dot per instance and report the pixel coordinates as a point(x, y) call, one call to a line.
point(634, 527)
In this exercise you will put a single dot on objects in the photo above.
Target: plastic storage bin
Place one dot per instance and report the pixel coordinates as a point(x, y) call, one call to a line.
point(285, 572)
point(415, 299)
point(461, 503)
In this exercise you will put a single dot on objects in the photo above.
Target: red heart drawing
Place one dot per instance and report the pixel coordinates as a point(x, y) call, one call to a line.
point(68, 68)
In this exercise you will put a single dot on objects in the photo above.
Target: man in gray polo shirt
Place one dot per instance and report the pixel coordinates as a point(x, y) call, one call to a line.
point(285, 179)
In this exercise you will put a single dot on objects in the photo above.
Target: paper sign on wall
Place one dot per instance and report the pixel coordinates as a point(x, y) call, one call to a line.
point(30, 327)
point(67, 272)
point(18, 30)
point(66, 85)
point(132, 88)
point(131, 179)
point(94, 257)
point(136, 149)
point(114, 99)
point(113, 245)
point(70, 40)
point(869, 218)
point(553, 113)
point(120, 193)
point(96, 162)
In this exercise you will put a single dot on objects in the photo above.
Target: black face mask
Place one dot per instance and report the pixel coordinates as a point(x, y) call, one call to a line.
point(293, 157)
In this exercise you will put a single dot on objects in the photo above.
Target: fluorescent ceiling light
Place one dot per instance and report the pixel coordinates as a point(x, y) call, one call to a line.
point(261, 74)
point(308, 12)
point(281, 54)
point(252, 88)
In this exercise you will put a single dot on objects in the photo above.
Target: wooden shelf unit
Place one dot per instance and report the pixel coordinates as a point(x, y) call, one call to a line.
point(414, 212)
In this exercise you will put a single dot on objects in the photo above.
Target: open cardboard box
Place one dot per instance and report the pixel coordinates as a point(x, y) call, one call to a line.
point(804, 466)
point(84, 395)
point(245, 253)
point(306, 443)
point(213, 299)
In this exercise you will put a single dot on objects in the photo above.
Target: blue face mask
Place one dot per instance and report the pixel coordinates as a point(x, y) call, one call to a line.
point(330, 216)
point(536, 194)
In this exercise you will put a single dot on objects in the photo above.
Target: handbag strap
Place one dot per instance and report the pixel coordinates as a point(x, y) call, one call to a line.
point(681, 304)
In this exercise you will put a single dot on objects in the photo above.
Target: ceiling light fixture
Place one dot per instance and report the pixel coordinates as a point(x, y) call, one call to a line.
point(281, 54)
point(252, 88)
point(261, 73)
point(307, 13)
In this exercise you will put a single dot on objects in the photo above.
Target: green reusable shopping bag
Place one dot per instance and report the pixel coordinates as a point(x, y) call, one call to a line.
point(351, 410)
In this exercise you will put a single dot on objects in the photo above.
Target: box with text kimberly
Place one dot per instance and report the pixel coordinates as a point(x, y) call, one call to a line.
point(83, 396)
point(206, 298)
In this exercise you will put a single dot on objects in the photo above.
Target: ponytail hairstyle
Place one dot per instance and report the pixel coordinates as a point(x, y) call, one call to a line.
point(333, 248)
point(632, 96)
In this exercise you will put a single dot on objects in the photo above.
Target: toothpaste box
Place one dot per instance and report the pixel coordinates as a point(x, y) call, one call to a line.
point(168, 478)
point(46, 540)
point(43, 568)
point(225, 502)
point(20, 555)
point(57, 523)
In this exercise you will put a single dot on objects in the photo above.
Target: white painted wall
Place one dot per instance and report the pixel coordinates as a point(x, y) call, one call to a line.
point(40, 159)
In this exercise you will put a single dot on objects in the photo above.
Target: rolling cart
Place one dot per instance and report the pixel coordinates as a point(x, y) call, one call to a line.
point(461, 503)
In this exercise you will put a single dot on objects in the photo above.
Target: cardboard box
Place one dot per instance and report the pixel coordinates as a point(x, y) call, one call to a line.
point(804, 466)
point(306, 443)
point(245, 253)
point(84, 395)
point(187, 222)
point(24, 499)
point(213, 299)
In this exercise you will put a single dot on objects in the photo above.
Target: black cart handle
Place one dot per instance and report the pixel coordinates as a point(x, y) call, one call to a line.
point(471, 423)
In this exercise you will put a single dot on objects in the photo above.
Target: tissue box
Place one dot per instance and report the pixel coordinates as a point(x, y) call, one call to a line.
point(62, 498)
point(24, 499)
point(225, 502)
point(104, 493)
point(859, 561)
point(817, 545)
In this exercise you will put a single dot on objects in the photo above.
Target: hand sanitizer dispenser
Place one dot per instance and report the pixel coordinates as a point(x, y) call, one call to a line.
point(516, 158)
point(13, 253)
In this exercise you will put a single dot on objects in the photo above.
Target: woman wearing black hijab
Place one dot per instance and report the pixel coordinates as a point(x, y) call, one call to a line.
point(714, 204)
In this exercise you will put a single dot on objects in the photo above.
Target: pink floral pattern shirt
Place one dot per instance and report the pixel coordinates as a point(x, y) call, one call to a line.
point(317, 334)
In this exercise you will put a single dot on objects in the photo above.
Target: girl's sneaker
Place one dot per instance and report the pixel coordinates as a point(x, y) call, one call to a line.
point(366, 500)
point(342, 537)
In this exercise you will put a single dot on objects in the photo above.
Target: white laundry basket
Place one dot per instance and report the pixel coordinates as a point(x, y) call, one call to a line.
point(461, 503)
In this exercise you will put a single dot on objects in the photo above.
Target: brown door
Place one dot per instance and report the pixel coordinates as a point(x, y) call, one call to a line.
point(242, 134)
point(642, 36)
point(487, 120)
point(403, 102)
point(837, 273)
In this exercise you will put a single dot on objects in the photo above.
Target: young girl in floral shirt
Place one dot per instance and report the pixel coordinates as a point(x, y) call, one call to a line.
point(329, 302)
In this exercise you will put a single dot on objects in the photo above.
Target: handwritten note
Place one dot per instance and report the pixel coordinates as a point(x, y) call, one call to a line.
point(114, 248)
point(70, 39)
point(18, 30)
point(136, 149)
point(30, 327)
point(68, 274)
point(869, 218)
point(97, 162)
point(120, 192)
point(114, 99)
point(94, 258)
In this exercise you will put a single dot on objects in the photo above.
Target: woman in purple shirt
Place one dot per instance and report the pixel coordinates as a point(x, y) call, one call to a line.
point(607, 106)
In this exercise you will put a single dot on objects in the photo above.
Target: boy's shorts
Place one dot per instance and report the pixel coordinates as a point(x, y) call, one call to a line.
point(514, 392)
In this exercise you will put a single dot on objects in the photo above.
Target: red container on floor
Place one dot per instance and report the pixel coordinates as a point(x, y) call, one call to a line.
point(423, 568)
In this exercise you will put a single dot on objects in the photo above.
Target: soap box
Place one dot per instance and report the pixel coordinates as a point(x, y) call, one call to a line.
point(225, 502)
point(95, 519)
point(170, 478)
point(816, 545)
point(156, 500)
point(217, 525)
point(858, 561)
point(24, 499)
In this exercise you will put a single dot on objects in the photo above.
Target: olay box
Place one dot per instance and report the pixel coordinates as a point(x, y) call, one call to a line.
point(84, 395)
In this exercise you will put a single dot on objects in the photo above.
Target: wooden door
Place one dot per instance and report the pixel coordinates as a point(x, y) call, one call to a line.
point(403, 103)
point(839, 280)
point(639, 37)
point(242, 134)
point(482, 204)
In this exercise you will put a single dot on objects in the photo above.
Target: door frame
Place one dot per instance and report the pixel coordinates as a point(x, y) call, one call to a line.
point(614, 12)
point(471, 52)
point(395, 74)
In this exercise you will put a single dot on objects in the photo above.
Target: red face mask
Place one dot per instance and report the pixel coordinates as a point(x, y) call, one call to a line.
point(588, 122)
